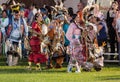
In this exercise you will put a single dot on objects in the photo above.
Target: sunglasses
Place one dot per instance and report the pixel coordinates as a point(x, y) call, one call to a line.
point(17, 14)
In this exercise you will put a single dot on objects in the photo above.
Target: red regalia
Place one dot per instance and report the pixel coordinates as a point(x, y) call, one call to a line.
point(36, 56)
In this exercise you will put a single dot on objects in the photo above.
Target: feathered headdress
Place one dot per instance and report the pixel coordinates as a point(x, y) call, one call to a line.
point(15, 7)
point(87, 11)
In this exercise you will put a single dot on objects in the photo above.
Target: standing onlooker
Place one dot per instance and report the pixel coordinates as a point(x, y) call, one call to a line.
point(101, 32)
point(44, 13)
point(31, 14)
point(8, 9)
point(4, 21)
point(118, 32)
point(4, 6)
point(111, 15)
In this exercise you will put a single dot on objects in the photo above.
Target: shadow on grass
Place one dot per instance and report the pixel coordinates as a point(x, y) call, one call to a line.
point(22, 70)
point(4, 69)
point(112, 64)
point(110, 78)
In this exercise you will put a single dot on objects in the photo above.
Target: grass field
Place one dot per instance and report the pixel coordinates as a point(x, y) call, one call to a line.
point(110, 73)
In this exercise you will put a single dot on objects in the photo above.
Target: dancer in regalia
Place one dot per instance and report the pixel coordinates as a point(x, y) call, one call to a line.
point(73, 35)
point(35, 41)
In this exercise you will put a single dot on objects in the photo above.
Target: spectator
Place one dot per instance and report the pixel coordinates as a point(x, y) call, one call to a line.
point(111, 15)
point(101, 32)
point(4, 21)
point(4, 6)
point(118, 33)
point(31, 14)
point(44, 13)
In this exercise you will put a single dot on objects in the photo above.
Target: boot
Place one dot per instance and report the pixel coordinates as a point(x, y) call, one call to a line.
point(69, 68)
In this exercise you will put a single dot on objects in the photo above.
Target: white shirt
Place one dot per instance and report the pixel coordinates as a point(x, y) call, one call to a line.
point(34, 11)
point(3, 23)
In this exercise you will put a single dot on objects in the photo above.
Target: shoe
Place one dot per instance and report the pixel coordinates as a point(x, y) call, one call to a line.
point(38, 68)
point(78, 71)
point(29, 68)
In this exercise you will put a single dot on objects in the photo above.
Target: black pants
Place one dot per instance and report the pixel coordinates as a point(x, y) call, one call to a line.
point(113, 41)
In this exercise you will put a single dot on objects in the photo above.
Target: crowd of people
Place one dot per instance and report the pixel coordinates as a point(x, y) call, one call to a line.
point(56, 34)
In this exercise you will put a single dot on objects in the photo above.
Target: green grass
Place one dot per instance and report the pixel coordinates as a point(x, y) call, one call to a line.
point(110, 73)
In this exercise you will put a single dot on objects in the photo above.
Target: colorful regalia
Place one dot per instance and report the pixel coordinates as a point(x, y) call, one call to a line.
point(76, 58)
point(36, 56)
